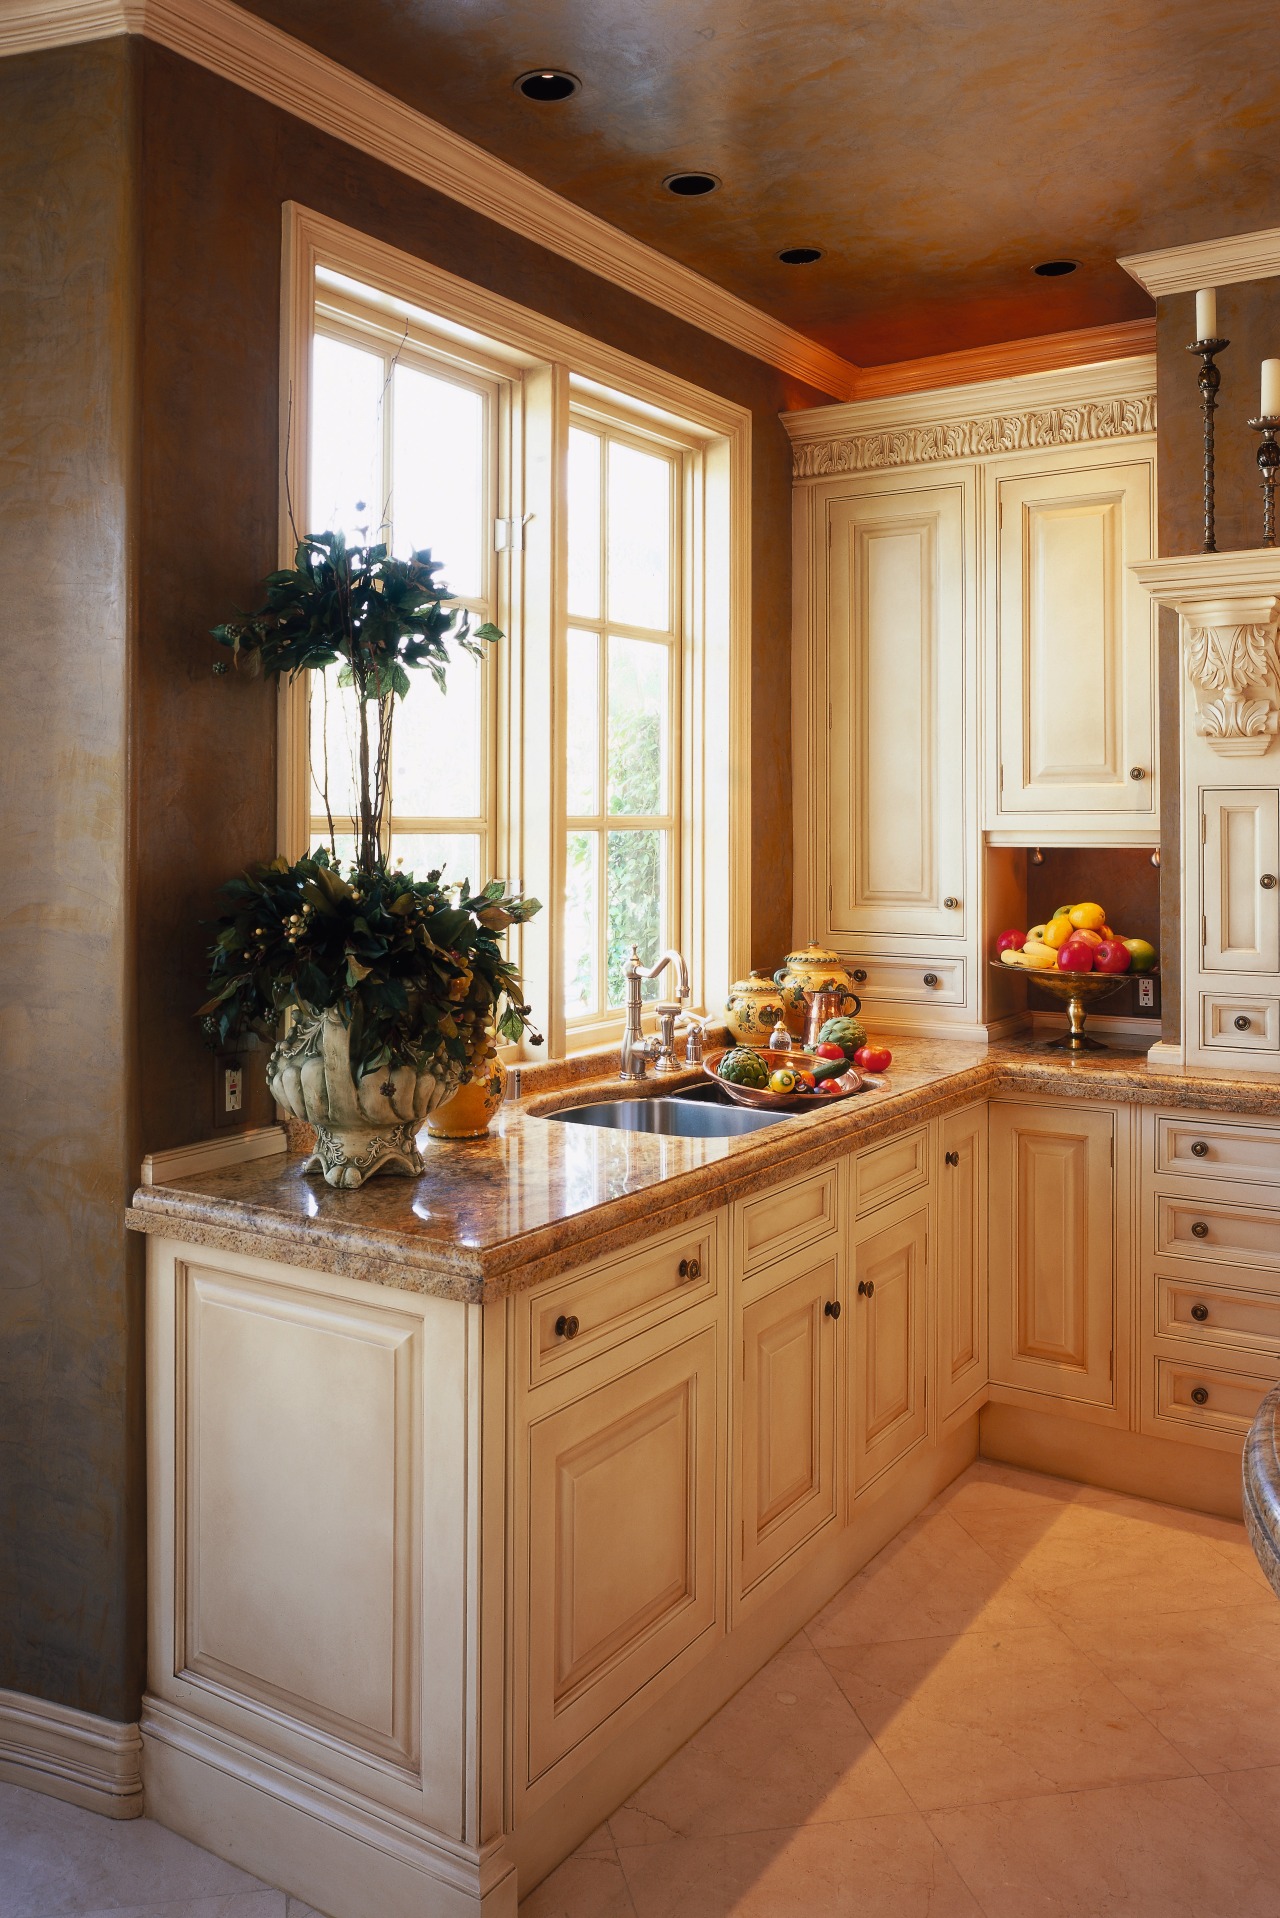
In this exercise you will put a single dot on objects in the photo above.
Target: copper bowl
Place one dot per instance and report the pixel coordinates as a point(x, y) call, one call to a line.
point(764, 1101)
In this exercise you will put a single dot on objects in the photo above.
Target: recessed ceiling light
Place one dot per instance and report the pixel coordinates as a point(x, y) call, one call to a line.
point(690, 186)
point(548, 83)
point(800, 255)
point(1053, 269)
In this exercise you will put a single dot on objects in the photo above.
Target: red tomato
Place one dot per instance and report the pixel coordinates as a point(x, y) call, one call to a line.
point(831, 1085)
point(1075, 956)
point(1112, 956)
point(828, 1051)
point(1011, 941)
point(873, 1058)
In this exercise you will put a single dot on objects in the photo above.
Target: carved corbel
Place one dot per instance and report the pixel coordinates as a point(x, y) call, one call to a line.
point(1236, 673)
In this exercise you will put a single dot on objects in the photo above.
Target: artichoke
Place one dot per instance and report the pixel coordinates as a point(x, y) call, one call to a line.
point(844, 1032)
point(743, 1067)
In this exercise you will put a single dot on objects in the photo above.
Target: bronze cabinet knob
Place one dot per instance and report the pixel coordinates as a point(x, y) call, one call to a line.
point(951, 1158)
point(1199, 1313)
point(832, 1308)
point(931, 978)
point(951, 902)
point(566, 1326)
point(690, 1268)
point(1137, 772)
point(1200, 1395)
point(1199, 1149)
point(860, 974)
point(866, 1288)
point(1241, 1022)
point(1267, 881)
point(1199, 1230)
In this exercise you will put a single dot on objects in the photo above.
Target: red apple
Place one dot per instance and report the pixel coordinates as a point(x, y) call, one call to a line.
point(1112, 956)
point(1076, 955)
point(873, 1058)
point(1011, 941)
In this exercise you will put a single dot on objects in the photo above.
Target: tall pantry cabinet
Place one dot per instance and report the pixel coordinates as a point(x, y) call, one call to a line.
point(974, 668)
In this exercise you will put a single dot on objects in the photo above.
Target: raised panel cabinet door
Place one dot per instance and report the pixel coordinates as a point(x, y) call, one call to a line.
point(896, 788)
point(962, 1258)
point(889, 1370)
point(1076, 644)
point(786, 1428)
point(1051, 1224)
point(622, 1541)
point(1240, 853)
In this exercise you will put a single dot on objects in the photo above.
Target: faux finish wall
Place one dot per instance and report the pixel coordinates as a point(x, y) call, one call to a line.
point(1248, 316)
point(71, 1486)
point(217, 166)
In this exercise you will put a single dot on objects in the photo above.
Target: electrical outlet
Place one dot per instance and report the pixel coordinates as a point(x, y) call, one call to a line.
point(228, 1088)
point(1146, 992)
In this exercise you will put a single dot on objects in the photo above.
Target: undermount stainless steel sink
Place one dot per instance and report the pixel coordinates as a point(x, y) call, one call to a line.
point(695, 1112)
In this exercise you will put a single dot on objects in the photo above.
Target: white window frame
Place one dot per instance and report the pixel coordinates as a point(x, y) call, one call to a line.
point(548, 365)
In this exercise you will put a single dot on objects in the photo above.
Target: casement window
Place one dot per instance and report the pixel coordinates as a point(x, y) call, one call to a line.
point(597, 511)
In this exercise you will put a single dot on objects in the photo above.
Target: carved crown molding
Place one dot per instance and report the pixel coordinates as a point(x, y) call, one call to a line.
point(1017, 431)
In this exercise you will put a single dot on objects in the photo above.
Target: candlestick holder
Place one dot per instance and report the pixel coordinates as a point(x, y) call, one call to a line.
point(1268, 460)
point(1209, 379)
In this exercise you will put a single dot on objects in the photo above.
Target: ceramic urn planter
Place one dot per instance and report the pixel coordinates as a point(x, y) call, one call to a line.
point(363, 1125)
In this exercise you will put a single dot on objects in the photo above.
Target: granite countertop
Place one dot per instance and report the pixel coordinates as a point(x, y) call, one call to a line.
point(492, 1215)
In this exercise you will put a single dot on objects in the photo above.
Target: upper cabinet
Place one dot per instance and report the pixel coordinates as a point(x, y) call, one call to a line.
point(1074, 648)
point(895, 784)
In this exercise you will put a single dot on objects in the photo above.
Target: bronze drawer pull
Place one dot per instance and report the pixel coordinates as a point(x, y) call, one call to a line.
point(1199, 1149)
point(690, 1268)
point(1199, 1230)
point(832, 1308)
point(567, 1326)
point(1241, 1022)
point(860, 974)
point(1267, 881)
point(1200, 1395)
point(931, 978)
point(1137, 772)
point(866, 1288)
point(951, 1158)
point(951, 902)
point(1200, 1313)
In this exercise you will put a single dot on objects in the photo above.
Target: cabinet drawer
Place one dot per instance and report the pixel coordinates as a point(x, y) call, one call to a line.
point(887, 1171)
point(1212, 1230)
point(1229, 1402)
point(1212, 1149)
point(913, 982)
point(1240, 1022)
point(581, 1315)
point(788, 1219)
point(1216, 1315)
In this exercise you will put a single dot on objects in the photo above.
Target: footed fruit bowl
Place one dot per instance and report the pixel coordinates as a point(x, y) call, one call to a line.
point(1079, 992)
point(766, 1101)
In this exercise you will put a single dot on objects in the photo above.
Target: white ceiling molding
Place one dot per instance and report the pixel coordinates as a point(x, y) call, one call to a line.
point(1184, 269)
point(247, 51)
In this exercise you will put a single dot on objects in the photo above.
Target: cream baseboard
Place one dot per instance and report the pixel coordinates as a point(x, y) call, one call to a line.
point(213, 1155)
point(89, 1761)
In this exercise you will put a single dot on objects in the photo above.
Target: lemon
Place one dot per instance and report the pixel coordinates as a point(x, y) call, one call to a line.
point(1089, 916)
point(1058, 931)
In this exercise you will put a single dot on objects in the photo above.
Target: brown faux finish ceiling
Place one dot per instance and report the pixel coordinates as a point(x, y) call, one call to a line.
point(935, 149)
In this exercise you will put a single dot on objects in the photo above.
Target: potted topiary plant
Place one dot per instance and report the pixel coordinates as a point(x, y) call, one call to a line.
point(397, 988)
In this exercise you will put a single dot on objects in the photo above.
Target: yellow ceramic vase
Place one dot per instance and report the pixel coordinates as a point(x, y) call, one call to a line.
point(753, 1009)
point(468, 1113)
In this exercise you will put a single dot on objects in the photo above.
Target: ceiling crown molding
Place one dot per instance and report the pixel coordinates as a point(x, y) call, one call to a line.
point(256, 56)
point(1184, 269)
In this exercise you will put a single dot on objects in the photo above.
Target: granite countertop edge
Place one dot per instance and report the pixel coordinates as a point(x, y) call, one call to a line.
point(204, 1211)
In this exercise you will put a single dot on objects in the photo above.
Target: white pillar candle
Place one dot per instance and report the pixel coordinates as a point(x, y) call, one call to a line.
point(1207, 314)
point(1271, 387)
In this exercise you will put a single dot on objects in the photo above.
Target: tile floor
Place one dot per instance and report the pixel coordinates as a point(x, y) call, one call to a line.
point(1041, 1701)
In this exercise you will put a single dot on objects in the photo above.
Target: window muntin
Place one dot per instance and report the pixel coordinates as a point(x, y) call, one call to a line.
point(403, 448)
point(621, 755)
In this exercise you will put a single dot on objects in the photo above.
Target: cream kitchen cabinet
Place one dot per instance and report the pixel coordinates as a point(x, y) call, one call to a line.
point(1074, 646)
point(890, 1345)
point(962, 602)
point(1054, 1293)
point(961, 1273)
